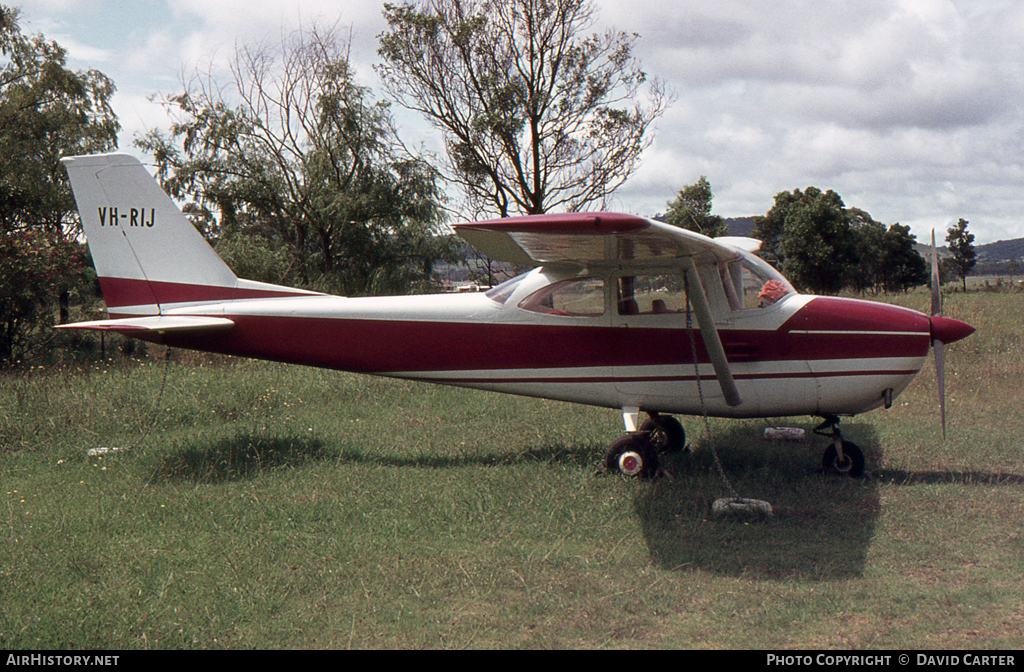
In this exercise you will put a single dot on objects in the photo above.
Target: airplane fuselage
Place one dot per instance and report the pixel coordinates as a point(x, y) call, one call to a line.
point(803, 355)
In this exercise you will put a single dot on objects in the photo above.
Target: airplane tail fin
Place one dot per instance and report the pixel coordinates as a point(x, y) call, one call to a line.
point(148, 256)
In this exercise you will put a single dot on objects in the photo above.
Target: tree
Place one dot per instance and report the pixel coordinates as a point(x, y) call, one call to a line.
point(46, 112)
point(961, 246)
point(691, 209)
point(887, 258)
point(808, 234)
point(299, 155)
point(824, 246)
point(903, 266)
point(535, 115)
point(869, 275)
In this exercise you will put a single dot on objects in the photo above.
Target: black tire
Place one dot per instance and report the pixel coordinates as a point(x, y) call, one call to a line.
point(852, 464)
point(640, 447)
point(666, 434)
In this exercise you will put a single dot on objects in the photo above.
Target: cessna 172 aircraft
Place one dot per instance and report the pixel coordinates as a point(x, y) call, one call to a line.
point(619, 311)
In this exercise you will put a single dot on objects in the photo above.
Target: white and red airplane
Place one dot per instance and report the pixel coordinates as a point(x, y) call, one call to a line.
point(619, 311)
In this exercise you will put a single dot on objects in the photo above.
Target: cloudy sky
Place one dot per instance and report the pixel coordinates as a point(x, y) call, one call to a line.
point(910, 109)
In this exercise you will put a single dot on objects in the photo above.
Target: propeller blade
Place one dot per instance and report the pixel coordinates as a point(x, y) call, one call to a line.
point(940, 355)
point(708, 331)
point(945, 330)
point(940, 375)
point(936, 290)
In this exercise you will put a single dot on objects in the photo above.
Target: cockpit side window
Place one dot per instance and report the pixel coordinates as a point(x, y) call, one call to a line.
point(576, 297)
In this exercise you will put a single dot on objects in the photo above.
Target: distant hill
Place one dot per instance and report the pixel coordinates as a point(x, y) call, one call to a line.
point(740, 226)
point(993, 258)
point(1001, 250)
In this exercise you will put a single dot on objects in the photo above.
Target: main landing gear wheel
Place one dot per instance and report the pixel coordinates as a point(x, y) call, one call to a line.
point(665, 434)
point(632, 455)
point(850, 464)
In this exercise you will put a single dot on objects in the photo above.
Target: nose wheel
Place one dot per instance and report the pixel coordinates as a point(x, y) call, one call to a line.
point(849, 463)
point(841, 457)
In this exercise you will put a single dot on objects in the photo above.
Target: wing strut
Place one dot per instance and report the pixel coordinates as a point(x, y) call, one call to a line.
point(708, 331)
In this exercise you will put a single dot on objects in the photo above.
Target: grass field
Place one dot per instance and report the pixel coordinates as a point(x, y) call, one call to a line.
point(277, 507)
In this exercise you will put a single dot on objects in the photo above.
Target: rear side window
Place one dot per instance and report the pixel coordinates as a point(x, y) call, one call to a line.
point(651, 294)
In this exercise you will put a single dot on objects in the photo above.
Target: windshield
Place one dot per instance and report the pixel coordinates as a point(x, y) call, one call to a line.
point(505, 289)
point(751, 282)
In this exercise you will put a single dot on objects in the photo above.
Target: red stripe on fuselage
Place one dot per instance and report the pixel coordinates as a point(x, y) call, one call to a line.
point(121, 292)
point(386, 346)
point(662, 379)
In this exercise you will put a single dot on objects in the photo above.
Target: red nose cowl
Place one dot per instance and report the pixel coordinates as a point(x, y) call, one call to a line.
point(949, 330)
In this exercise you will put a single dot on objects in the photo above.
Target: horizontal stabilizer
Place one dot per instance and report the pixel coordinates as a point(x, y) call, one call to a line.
point(160, 324)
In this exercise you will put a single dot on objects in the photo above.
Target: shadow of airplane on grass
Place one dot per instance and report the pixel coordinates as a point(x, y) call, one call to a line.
point(821, 528)
point(822, 525)
point(236, 458)
point(246, 454)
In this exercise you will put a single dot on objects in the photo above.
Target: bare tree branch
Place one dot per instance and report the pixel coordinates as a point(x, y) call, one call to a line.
point(535, 115)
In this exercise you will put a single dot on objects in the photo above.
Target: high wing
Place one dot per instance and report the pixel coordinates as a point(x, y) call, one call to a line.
point(593, 238)
point(623, 240)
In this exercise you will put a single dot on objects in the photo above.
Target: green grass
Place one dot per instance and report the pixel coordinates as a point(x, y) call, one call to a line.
point(278, 507)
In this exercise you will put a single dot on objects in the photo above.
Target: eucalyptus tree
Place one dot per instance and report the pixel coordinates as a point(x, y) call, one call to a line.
point(961, 247)
point(691, 209)
point(825, 247)
point(888, 258)
point(536, 113)
point(808, 234)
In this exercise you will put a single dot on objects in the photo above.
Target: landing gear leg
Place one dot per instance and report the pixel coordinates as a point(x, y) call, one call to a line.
point(842, 456)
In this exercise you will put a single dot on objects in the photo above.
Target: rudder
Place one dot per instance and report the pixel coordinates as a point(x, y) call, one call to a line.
point(146, 252)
